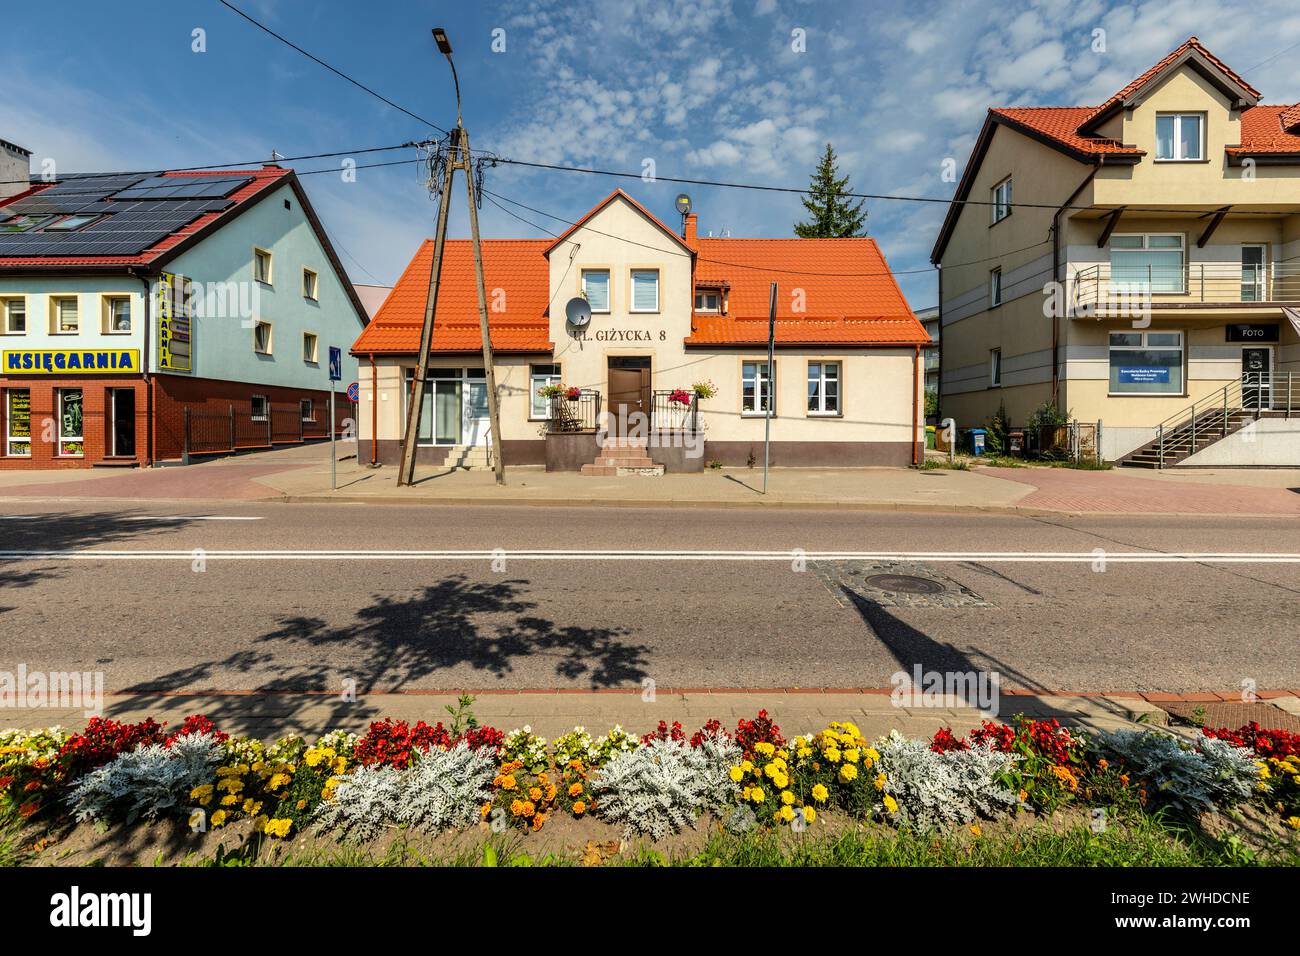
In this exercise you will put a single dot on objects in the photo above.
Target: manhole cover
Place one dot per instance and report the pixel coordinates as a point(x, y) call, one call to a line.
point(904, 584)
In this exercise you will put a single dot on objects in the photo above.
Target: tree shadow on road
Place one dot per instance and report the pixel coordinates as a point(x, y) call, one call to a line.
point(394, 644)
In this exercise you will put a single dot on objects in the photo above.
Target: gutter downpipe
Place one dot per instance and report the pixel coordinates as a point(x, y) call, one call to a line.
point(916, 359)
point(374, 411)
point(1056, 277)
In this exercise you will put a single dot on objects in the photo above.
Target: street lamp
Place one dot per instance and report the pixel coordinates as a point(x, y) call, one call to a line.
point(444, 47)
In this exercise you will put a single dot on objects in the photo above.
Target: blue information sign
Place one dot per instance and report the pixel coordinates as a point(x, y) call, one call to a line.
point(336, 364)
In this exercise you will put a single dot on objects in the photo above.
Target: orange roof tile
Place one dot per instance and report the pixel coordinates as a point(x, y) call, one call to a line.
point(846, 292)
point(1265, 130)
point(1061, 124)
point(515, 266)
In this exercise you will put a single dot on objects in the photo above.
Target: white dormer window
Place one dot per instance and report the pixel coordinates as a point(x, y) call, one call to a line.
point(708, 301)
point(645, 290)
point(1180, 137)
point(1002, 200)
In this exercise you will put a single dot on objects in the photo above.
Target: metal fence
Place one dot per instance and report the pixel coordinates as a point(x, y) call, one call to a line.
point(209, 431)
point(668, 413)
point(574, 414)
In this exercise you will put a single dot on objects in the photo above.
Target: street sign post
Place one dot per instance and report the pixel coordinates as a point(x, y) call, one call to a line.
point(336, 375)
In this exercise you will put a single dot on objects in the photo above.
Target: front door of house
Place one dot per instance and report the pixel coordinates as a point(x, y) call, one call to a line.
point(1256, 376)
point(629, 394)
point(477, 422)
point(122, 438)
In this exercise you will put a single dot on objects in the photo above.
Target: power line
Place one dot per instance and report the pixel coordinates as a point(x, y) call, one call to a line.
point(337, 72)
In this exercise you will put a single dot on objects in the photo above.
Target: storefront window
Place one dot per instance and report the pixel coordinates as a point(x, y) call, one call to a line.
point(18, 422)
point(71, 441)
point(755, 389)
point(539, 377)
point(823, 388)
point(1146, 363)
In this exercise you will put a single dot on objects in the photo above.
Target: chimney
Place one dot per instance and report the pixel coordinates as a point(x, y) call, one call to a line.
point(688, 229)
point(15, 169)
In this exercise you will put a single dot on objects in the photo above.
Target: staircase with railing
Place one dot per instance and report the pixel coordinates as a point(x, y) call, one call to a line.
point(1216, 416)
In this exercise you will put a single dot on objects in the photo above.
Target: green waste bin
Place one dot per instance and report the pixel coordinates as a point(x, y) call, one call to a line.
point(929, 437)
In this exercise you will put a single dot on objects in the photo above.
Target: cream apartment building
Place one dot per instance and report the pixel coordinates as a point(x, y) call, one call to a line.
point(1137, 263)
point(669, 310)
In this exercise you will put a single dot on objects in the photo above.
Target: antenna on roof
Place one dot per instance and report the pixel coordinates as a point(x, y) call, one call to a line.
point(275, 156)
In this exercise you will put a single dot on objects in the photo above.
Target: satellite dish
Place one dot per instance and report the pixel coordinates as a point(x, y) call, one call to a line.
point(683, 203)
point(578, 311)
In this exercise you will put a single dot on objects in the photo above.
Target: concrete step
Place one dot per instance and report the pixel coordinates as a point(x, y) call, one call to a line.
point(628, 461)
point(621, 471)
point(654, 471)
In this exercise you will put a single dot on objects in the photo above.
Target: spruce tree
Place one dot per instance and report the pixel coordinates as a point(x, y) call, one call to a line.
point(832, 215)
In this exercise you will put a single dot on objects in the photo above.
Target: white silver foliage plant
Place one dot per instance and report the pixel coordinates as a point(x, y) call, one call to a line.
point(1211, 774)
point(148, 781)
point(441, 790)
point(938, 789)
point(665, 785)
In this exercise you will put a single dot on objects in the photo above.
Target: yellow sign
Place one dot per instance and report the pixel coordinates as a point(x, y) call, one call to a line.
point(71, 362)
point(175, 322)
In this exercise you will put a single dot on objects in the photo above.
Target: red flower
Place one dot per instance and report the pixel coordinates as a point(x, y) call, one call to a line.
point(759, 730)
point(1265, 743)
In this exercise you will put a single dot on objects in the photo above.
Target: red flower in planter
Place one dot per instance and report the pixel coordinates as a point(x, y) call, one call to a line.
point(679, 396)
point(573, 394)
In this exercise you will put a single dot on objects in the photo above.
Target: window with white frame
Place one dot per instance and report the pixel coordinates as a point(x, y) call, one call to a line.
point(645, 290)
point(306, 410)
point(755, 389)
point(72, 442)
point(18, 422)
point(1002, 200)
point(1146, 363)
point(1180, 137)
point(262, 266)
point(708, 300)
point(595, 286)
point(540, 376)
point(823, 388)
point(310, 281)
point(15, 315)
point(117, 314)
point(262, 337)
point(259, 408)
point(995, 368)
point(995, 286)
point(66, 318)
point(1153, 262)
point(310, 348)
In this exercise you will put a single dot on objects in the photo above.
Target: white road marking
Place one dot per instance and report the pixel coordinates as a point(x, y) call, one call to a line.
point(1045, 557)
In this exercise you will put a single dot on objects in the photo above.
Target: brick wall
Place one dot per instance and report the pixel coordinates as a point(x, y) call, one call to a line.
point(96, 419)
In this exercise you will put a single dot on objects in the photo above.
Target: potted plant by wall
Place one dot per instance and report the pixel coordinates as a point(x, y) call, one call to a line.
point(1049, 423)
point(562, 400)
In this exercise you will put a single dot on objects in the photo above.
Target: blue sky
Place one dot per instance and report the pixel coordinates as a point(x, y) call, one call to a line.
point(708, 89)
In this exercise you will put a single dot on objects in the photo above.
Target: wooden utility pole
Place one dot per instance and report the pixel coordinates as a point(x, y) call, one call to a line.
point(494, 414)
point(458, 157)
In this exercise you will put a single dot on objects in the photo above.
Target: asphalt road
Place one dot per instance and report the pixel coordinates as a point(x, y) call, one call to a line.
point(169, 611)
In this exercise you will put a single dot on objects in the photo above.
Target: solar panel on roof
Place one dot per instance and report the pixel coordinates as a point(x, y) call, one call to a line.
point(183, 187)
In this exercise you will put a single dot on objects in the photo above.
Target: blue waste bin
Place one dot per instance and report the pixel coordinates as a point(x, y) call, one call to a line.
point(976, 440)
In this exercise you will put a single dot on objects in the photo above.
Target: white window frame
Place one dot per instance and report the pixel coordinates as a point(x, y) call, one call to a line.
point(56, 324)
point(838, 378)
point(306, 410)
point(252, 408)
point(59, 395)
point(1002, 204)
point(269, 277)
point(7, 303)
point(536, 380)
point(310, 285)
point(10, 437)
point(995, 368)
point(1177, 139)
point(1145, 346)
point(632, 283)
point(706, 294)
point(609, 289)
point(1145, 249)
point(995, 287)
point(108, 301)
point(763, 396)
point(270, 340)
point(311, 356)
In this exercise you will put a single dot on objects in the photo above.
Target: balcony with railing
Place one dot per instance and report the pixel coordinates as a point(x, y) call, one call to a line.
point(675, 410)
point(1106, 289)
point(577, 410)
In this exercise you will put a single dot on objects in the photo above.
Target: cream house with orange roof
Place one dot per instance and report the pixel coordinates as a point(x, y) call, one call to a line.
point(1136, 263)
point(670, 371)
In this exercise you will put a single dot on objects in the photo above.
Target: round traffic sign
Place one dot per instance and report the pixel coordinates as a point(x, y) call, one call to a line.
point(354, 392)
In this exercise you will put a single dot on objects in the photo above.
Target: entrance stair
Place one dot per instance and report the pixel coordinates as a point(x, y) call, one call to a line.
point(623, 457)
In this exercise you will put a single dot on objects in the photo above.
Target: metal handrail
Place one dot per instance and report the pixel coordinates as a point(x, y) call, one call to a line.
point(1272, 391)
point(1208, 282)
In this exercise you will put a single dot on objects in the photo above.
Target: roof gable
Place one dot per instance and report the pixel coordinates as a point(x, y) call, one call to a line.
point(591, 214)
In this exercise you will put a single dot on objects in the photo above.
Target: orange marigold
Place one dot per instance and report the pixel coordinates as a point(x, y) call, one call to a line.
point(575, 790)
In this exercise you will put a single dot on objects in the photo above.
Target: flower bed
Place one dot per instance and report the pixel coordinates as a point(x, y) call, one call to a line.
point(431, 779)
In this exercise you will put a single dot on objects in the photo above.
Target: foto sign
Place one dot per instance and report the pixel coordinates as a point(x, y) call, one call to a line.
point(1250, 332)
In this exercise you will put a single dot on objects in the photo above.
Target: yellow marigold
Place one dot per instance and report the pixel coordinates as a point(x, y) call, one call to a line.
point(279, 828)
point(804, 752)
point(550, 792)
point(508, 782)
point(301, 805)
point(852, 728)
point(201, 791)
point(787, 797)
point(538, 821)
point(534, 794)
point(226, 771)
point(543, 779)
point(252, 807)
point(786, 814)
point(1293, 822)
point(809, 814)
point(229, 800)
point(820, 793)
point(880, 780)
point(516, 807)
point(576, 788)
point(529, 808)
point(278, 780)
point(340, 765)
point(781, 781)
point(872, 754)
point(314, 757)
point(579, 808)
point(891, 804)
point(756, 794)
point(771, 770)
point(230, 784)
point(975, 829)
point(747, 766)
point(852, 755)
point(218, 818)
point(764, 748)
point(833, 754)
point(735, 773)
point(848, 773)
